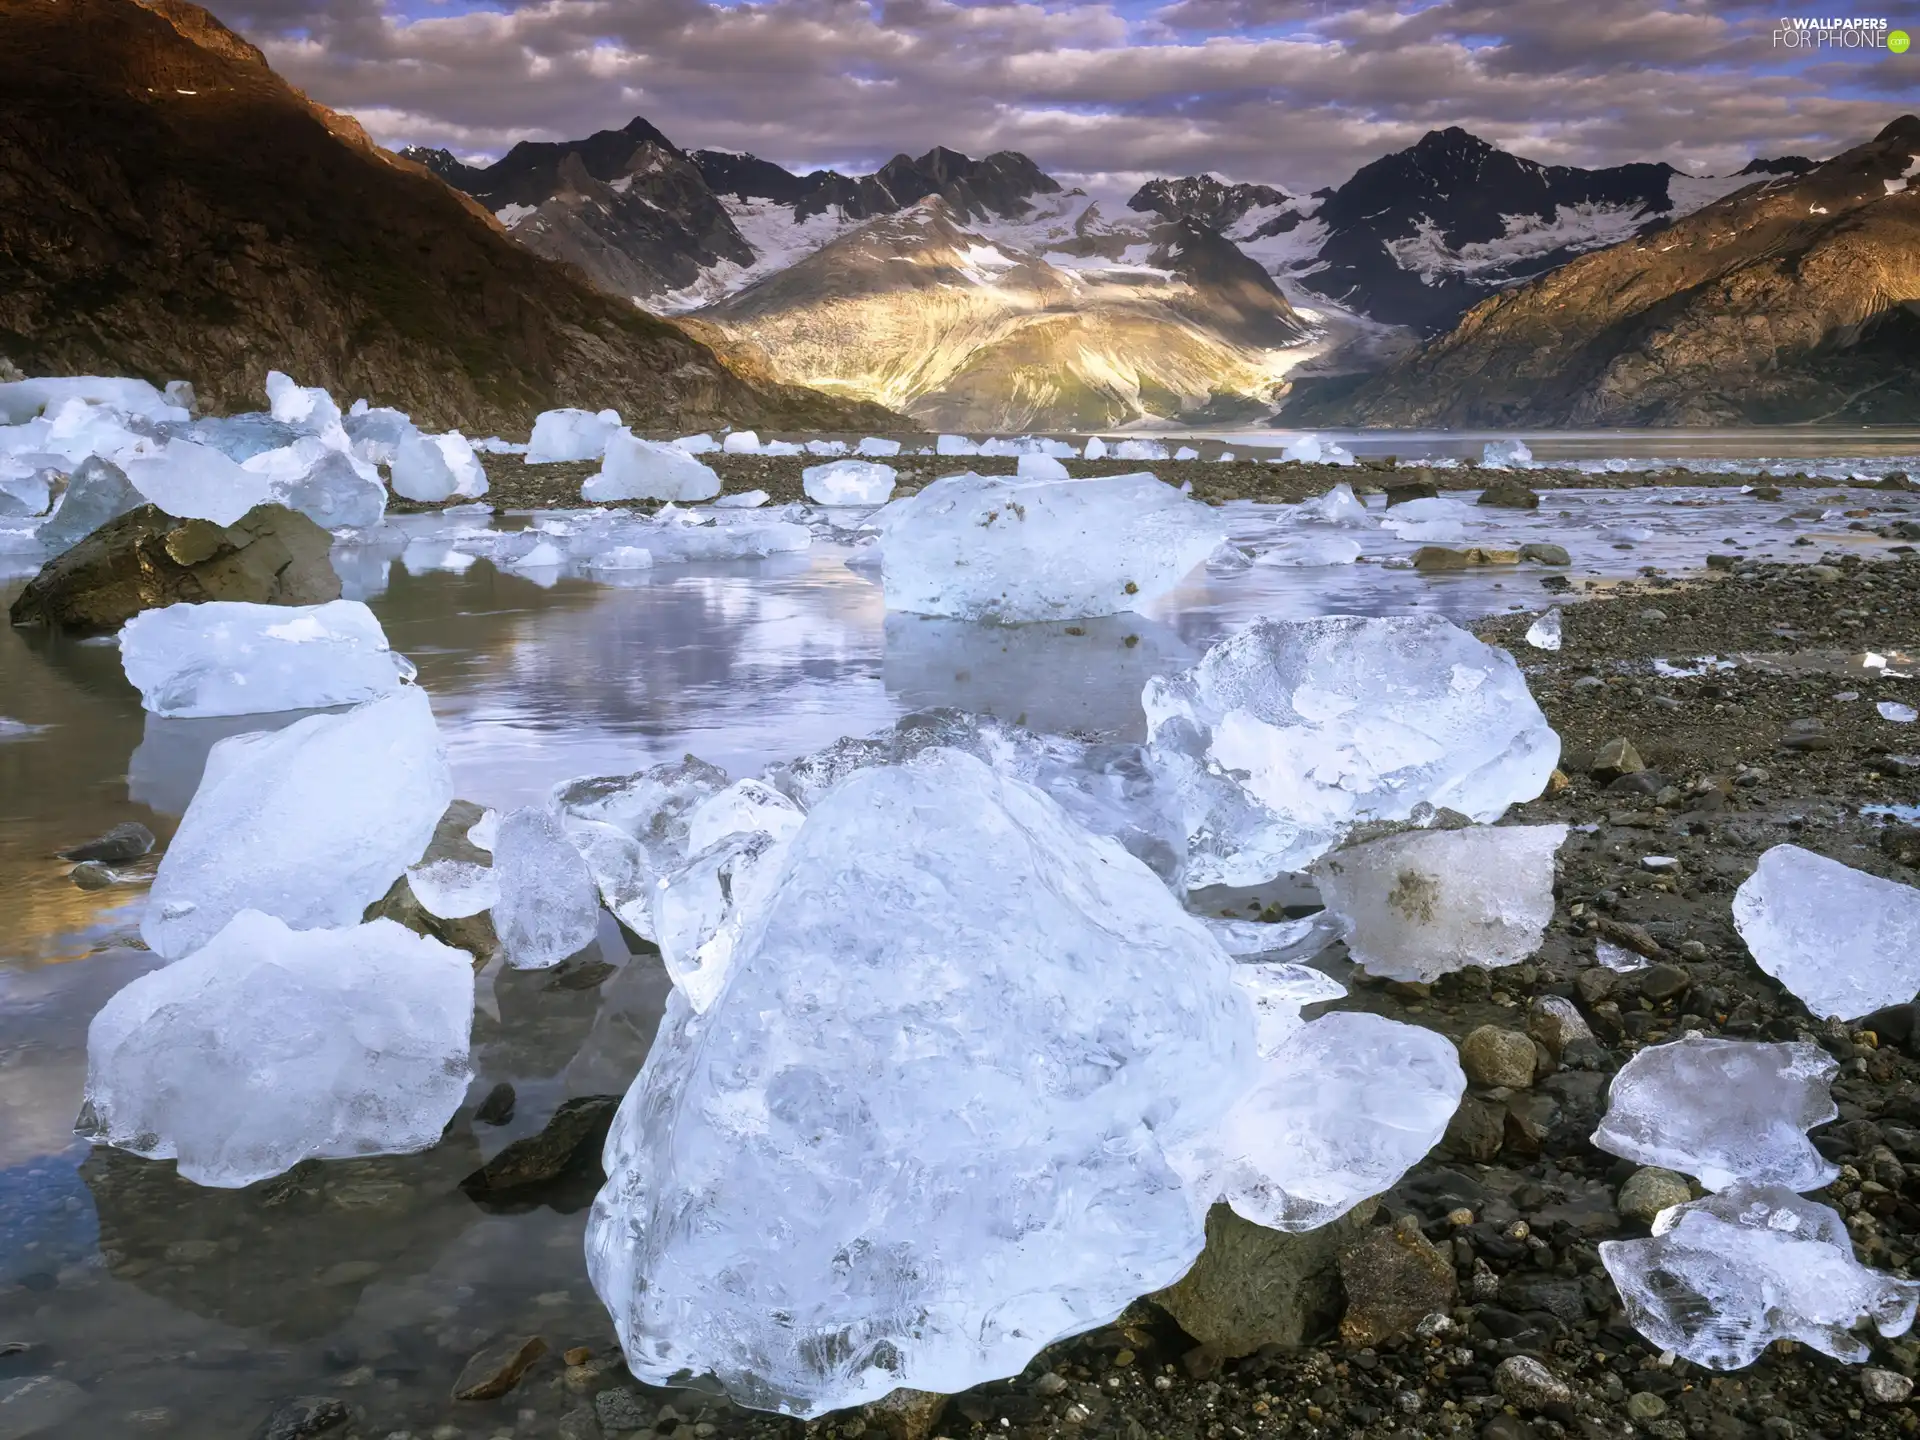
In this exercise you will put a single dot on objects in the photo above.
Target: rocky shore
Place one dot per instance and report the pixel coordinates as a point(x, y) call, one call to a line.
point(1470, 1300)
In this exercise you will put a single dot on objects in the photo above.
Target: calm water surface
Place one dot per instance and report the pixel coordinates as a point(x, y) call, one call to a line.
point(172, 1310)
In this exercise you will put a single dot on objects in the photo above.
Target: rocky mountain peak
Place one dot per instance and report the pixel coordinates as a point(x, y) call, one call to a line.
point(1204, 199)
point(1905, 130)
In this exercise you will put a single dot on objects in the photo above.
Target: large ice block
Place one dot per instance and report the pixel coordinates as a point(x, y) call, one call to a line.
point(1845, 942)
point(849, 482)
point(432, 468)
point(701, 909)
point(98, 491)
point(269, 1046)
point(1724, 1110)
point(636, 469)
point(1419, 905)
point(326, 484)
point(308, 407)
point(311, 823)
point(1724, 1277)
point(226, 657)
point(548, 907)
point(1289, 732)
point(571, 435)
point(956, 1042)
point(23, 400)
point(1006, 549)
point(195, 482)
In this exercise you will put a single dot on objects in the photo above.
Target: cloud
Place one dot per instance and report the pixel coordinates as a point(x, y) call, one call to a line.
point(1294, 92)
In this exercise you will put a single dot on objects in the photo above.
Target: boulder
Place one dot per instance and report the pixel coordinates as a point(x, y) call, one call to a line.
point(1509, 495)
point(1253, 1286)
point(1440, 557)
point(1394, 1279)
point(146, 558)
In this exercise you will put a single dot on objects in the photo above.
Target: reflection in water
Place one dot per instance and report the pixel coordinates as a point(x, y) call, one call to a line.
point(166, 766)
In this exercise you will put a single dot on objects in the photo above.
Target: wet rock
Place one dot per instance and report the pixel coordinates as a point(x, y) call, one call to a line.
point(1663, 982)
point(38, 1405)
point(1643, 1406)
point(1394, 1279)
point(1495, 1057)
point(1478, 1129)
point(1541, 553)
point(1556, 1023)
point(1441, 558)
point(92, 875)
point(1901, 843)
point(145, 559)
point(1616, 758)
point(1650, 1190)
point(1537, 1291)
point(1509, 495)
point(1885, 1387)
point(1526, 1384)
point(906, 1414)
point(497, 1108)
point(471, 933)
point(303, 1416)
point(1399, 492)
point(1253, 1286)
point(578, 1128)
point(126, 841)
point(621, 1410)
point(495, 1370)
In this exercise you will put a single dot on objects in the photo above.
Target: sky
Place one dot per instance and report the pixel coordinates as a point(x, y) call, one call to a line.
point(1297, 93)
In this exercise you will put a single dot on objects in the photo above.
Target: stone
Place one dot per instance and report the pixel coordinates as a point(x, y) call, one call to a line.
point(304, 1416)
point(145, 559)
point(1526, 1384)
point(1885, 1387)
point(1394, 1279)
point(906, 1414)
point(1662, 982)
point(578, 1128)
point(38, 1405)
point(621, 1410)
point(1253, 1286)
point(1509, 495)
point(1478, 1129)
point(1556, 1023)
point(126, 841)
point(1649, 1190)
point(495, 1370)
point(1493, 1057)
point(1846, 943)
point(1399, 492)
point(1542, 553)
point(1614, 759)
point(1431, 558)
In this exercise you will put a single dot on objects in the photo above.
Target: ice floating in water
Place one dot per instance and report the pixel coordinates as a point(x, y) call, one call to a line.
point(873, 445)
point(1339, 506)
point(311, 823)
point(548, 907)
point(432, 468)
point(622, 557)
point(269, 1046)
point(636, 469)
point(1724, 1277)
point(196, 483)
point(1040, 467)
point(1544, 633)
point(1896, 712)
point(741, 500)
point(951, 1209)
point(572, 435)
point(848, 482)
point(1500, 454)
point(1311, 550)
point(1724, 1110)
point(1291, 731)
point(224, 657)
point(1292, 939)
point(327, 485)
point(454, 889)
point(1421, 905)
point(1845, 942)
point(1343, 1107)
point(992, 548)
point(671, 537)
point(632, 829)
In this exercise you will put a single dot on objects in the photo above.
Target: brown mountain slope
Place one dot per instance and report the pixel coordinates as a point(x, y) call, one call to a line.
point(1793, 301)
point(170, 208)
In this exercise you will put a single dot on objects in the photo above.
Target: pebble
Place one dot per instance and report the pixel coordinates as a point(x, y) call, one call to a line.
point(1885, 1387)
point(621, 1409)
point(1527, 1384)
point(1650, 1190)
point(1616, 758)
point(1494, 1057)
point(1644, 1405)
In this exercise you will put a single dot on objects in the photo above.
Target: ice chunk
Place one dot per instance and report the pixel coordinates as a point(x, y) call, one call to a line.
point(701, 444)
point(992, 548)
point(1096, 449)
point(1040, 467)
point(1186, 452)
point(1618, 958)
point(194, 482)
point(742, 500)
point(849, 482)
point(874, 446)
point(1544, 633)
point(622, 557)
point(1225, 457)
point(97, 492)
point(701, 910)
point(1339, 506)
point(957, 1041)
point(23, 400)
point(741, 442)
point(227, 657)
point(1290, 731)
point(327, 485)
point(1899, 714)
point(1311, 550)
point(1724, 1277)
point(26, 487)
point(674, 537)
point(955, 445)
point(1305, 449)
point(651, 810)
point(484, 831)
point(571, 435)
point(309, 408)
point(375, 435)
point(826, 447)
point(1284, 940)
point(1343, 1107)
point(454, 889)
point(1845, 942)
point(432, 468)
point(269, 1046)
point(1419, 905)
point(549, 907)
point(743, 808)
point(1724, 1110)
point(1501, 454)
point(311, 823)
point(1140, 450)
point(636, 469)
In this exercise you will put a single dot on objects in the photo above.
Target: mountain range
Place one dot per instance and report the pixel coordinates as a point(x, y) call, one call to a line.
point(985, 294)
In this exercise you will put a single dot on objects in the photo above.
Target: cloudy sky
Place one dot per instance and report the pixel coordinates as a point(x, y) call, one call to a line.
point(1293, 92)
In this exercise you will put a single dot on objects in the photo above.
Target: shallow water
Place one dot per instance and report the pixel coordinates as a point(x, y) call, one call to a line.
point(1794, 447)
point(186, 1311)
